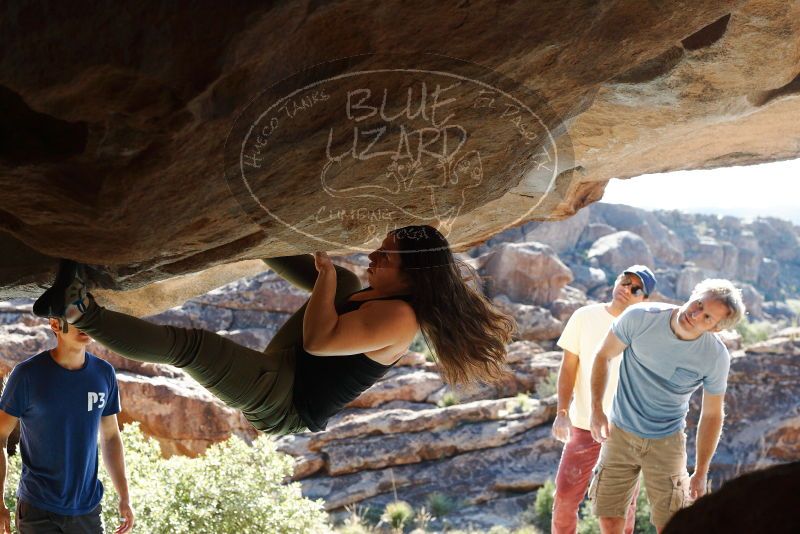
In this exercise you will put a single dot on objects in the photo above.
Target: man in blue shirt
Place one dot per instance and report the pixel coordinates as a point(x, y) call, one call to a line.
point(62, 398)
point(668, 352)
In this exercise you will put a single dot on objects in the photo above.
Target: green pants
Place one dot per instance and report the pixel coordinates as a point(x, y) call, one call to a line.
point(259, 384)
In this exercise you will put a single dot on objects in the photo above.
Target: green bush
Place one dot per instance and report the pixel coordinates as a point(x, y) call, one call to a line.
point(548, 386)
point(522, 403)
point(420, 345)
point(233, 488)
point(540, 513)
point(588, 524)
point(398, 514)
point(440, 504)
point(372, 515)
point(450, 398)
point(754, 332)
point(13, 471)
point(643, 524)
point(356, 522)
point(794, 305)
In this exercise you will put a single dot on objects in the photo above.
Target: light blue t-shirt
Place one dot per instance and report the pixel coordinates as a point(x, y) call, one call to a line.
point(659, 372)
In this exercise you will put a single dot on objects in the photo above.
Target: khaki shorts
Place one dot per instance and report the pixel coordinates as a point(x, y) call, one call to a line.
point(662, 463)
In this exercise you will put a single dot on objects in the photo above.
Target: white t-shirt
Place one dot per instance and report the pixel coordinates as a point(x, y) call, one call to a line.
point(585, 332)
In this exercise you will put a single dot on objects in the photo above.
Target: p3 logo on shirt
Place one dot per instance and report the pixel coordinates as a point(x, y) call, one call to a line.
point(98, 399)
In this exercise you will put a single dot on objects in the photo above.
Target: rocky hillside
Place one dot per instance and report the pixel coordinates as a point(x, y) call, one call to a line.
point(487, 450)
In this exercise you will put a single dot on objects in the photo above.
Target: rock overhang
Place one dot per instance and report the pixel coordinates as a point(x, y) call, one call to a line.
point(116, 154)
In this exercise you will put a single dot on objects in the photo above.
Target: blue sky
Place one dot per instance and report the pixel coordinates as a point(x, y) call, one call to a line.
point(766, 190)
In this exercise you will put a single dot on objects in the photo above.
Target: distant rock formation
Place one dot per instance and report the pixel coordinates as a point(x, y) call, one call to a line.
point(487, 448)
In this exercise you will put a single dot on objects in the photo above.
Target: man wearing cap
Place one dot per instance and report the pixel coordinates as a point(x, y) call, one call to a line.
point(669, 352)
point(583, 333)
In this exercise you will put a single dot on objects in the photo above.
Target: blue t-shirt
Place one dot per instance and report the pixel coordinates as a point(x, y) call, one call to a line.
point(59, 411)
point(659, 371)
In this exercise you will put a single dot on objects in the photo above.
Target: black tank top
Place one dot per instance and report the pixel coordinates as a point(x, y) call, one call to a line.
point(324, 385)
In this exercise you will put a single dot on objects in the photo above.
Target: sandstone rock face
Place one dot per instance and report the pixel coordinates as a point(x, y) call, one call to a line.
point(753, 301)
point(265, 292)
point(666, 247)
point(593, 232)
point(689, 277)
point(533, 323)
point(588, 278)
point(762, 411)
point(768, 277)
point(122, 114)
point(204, 420)
point(615, 252)
point(563, 308)
point(561, 236)
point(732, 339)
point(407, 384)
point(529, 273)
point(522, 457)
point(748, 265)
point(21, 342)
point(778, 239)
point(715, 256)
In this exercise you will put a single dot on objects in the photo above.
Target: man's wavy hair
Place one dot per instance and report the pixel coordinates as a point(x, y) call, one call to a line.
point(465, 332)
point(725, 292)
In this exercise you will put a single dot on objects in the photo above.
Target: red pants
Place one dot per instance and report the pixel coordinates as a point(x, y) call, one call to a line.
point(574, 473)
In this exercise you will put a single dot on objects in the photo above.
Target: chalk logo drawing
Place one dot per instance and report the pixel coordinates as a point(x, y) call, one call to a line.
point(367, 144)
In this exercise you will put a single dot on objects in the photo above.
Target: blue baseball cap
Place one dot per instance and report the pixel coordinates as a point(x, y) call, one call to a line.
point(645, 275)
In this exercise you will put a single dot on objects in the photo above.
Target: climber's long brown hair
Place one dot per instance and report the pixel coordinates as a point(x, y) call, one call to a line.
point(466, 333)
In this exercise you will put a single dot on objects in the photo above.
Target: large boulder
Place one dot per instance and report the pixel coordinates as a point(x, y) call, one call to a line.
point(20, 342)
point(666, 247)
point(615, 252)
point(533, 322)
point(748, 265)
point(688, 278)
point(265, 292)
point(528, 273)
point(561, 236)
point(753, 300)
point(713, 255)
point(769, 278)
point(588, 278)
point(410, 384)
point(778, 239)
point(750, 255)
point(153, 402)
point(527, 459)
point(592, 232)
point(779, 310)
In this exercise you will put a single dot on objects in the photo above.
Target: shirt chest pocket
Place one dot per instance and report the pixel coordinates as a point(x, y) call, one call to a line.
point(684, 378)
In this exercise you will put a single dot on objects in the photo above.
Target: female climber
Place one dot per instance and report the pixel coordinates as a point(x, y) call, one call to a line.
point(339, 343)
